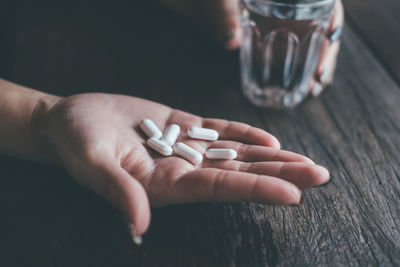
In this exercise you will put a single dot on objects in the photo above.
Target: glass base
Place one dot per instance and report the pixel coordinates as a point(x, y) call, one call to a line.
point(271, 97)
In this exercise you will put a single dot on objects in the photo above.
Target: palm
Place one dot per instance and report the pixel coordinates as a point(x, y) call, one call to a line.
point(97, 139)
point(174, 179)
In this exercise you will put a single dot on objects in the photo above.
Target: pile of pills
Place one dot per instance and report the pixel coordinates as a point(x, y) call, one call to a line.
point(164, 143)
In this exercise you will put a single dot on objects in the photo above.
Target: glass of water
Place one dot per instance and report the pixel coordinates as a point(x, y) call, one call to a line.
point(282, 41)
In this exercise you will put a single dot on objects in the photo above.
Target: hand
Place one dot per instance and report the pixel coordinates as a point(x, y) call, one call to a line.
point(221, 19)
point(97, 139)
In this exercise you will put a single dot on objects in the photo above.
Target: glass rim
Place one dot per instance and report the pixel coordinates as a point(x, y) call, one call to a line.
point(298, 5)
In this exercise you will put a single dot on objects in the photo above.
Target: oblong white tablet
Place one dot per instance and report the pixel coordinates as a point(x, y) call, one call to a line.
point(188, 153)
point(150, 129)
point(171, 134)
point(160, 147)
point(219, 153)
point(203, 133)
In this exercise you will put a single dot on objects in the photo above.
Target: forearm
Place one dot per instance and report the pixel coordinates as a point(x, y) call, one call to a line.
point(20, 110)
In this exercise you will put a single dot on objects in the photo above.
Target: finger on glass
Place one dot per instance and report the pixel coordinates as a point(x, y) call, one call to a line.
point(327, 60)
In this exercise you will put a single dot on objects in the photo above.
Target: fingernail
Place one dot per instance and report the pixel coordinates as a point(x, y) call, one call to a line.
point(325, 176)
point(296, 196)
point(275, 143)
point(325, 76)
point(311, 161)
point(137, 239)
point(316, 91)
point(335, 35)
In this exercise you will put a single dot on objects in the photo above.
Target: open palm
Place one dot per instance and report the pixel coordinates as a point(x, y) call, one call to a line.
point(97, 138)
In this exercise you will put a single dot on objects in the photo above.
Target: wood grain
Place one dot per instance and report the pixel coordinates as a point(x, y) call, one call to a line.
point(353, 129)
point(377, 22)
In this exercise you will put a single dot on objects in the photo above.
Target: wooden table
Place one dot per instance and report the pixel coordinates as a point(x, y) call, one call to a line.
point(144, 50)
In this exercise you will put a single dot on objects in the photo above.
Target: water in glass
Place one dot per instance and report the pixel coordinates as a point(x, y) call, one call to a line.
point(281, 44)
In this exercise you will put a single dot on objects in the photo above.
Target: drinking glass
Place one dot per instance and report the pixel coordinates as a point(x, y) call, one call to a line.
point(281, 45)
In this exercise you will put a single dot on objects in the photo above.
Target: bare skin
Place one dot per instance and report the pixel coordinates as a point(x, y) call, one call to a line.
point(96, 138)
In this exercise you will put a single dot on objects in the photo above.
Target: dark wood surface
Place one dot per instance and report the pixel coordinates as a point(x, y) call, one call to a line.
point(144, 50)
point(377, 24)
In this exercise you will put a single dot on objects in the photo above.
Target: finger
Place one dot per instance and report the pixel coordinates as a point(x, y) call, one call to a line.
point(337, 20)
point(221, 185)
point(329, 51)
point(303, 175)
point(222, 18)
point(123, 191)
point(326, 74)
point(241, 132)
point(338, 15)
point(253, 153)
point(327, 62)
point(230, 23)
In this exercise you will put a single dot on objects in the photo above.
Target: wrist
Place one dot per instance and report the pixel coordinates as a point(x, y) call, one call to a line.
point(39, 128)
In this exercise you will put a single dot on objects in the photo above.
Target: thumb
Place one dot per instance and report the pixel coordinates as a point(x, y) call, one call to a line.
point(123, 191)
point(225, 15)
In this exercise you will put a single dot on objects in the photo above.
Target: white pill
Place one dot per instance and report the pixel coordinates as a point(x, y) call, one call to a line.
point(160, 147)
point(188, 153)
point(217, 153)
point(171, 134)
point(150, 129)
point(203, 133)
